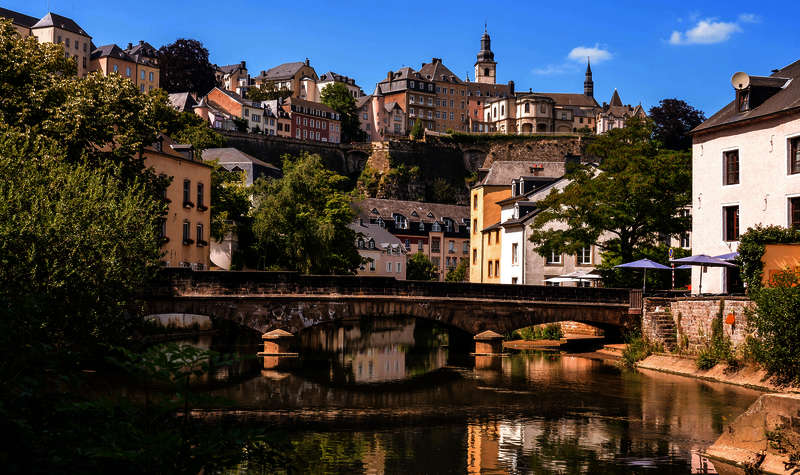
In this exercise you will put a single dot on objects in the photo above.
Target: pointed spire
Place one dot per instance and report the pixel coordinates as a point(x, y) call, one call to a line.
point(615, 100)
point(588, 66)
point(588, 84)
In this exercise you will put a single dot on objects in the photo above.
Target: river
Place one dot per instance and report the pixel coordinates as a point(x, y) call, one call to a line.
point(403, 396)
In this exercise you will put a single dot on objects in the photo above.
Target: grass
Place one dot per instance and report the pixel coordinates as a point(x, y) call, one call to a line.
point(551, 331)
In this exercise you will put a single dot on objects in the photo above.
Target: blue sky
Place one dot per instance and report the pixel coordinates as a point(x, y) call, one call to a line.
point(647, 50)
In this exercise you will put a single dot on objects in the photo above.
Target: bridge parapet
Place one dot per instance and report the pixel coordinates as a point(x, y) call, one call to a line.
point(186, 282)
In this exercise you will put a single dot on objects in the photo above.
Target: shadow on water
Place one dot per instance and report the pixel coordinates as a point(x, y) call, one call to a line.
point(395, 396)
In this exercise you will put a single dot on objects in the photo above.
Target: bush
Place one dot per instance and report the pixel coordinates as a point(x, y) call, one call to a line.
point(776, 325)
point(638, 349)
point(719, 348)
point(551, 331)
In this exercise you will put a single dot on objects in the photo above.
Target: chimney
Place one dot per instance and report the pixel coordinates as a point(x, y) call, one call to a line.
point(307, 62)
point(510, 88)
point(243, 65)
point(389, 76)
point(130, 45)
point(141, 42)
point(263, 73)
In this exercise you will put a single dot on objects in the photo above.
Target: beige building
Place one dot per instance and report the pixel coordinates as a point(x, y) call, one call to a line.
point(330, 77)
point(451, 97)
point(233, 77)
point(383, 254)
point(53, 28)
point(186, 227)
point(139, 64)
point(219, 102)
point(614, 114)
point(299, 78)
point(745, 168)
point(439, 231)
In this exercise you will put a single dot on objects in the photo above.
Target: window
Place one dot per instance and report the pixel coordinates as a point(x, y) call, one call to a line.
point(407, 244)
point(372, 265)
point(451, 247)
point(497, 236)
point(730, 223)
point(411, 99)
point(372, 244)
point(585, 256)
point(527, 107)
point(794, 155)
point(514, 253)
point(187, 193)
point(420, 243)
point(731, 159)
point(399, 267)
point(162, 232)
point(489, 269)
point(743, 99)
point(554, 258)
point(116, 68)
point(360, 243)
point(200, 240)
point(142, 75)
point(474, 256)
point(794, 212)
point(200, 197)
point(435, 245)
point(186, 233)
point(128, 71)
point(465, 246)
point(151, 76)
point(497, 268)
point(412, 83)
point(388, 267)
point(436, 228)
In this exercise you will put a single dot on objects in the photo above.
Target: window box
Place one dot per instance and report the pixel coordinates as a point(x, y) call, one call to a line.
point(188, 242)
point(188, 204)
point(202, 208)
point(201, 243)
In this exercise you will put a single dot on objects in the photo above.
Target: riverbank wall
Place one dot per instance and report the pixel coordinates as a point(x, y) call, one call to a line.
point(683, 324)
point(765, 438)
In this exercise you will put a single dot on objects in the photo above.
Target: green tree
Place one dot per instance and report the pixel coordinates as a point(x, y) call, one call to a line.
point(419, 267)
point(338, 97)
point(672, 121)
point(459, 273)
point(184, 67)
point(231, 201)
point(267, 91)
point(300, 220)
point(183, 127)
point(632, 196)
point(417, 131)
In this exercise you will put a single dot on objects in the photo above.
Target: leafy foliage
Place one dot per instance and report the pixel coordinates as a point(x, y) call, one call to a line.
point(624, 203)
point(637, 349)
point(672, 121)
point(267, 91)
point(419, 267)
point(459, 273)
point(185, 67)
point(183, 127)
point(719, 348)
point(776, 321)
point(752, 245)
point(632, 278)
point(338, 97)
point(231, 200)
point(300, 220)
point(417, 131)
point(551, 331)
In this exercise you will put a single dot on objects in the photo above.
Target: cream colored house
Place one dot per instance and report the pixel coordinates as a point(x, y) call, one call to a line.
point(384, 254)
point(745, 168)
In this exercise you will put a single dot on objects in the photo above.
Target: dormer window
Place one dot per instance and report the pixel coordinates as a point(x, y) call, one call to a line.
point(372, 244)
point(400, 221)
point(374, 211)
point(430, 215)
point(436, 227)
point(743, 100)
point(414, 214)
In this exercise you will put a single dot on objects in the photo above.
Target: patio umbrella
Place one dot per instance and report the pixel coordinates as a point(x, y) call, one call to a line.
point(644, 264)
point(731, 256)
point(581, 275)
point(703, 260)
point(559, 280)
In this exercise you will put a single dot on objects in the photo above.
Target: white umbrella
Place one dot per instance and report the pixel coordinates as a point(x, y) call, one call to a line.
point(558, 280)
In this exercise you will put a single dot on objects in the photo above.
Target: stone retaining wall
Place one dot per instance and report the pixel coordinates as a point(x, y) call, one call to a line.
point(692, 317)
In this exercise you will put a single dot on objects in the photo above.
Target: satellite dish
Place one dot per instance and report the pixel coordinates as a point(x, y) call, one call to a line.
point(740, 80)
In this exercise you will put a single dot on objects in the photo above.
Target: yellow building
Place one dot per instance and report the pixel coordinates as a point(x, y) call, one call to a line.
point(486, 232)
point(137, 63)
point(186, 228)
point(54, 28)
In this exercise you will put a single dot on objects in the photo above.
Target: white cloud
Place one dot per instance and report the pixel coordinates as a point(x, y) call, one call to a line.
point(596, 53)
point(711, 31)
point(749, 18)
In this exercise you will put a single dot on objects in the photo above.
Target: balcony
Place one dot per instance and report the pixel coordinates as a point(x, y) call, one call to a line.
point(188, 242)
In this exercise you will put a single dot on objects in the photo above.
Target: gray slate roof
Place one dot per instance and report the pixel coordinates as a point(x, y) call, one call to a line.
point(438, 211)
point(434, 71)
point(381, 236)
point(785, 99)
point(111, 51)
point(182, 101)
point(233, 155)
point(18, 18)
point(58, 21)
point(570, 99)
point(502, 172)
point(282, 71)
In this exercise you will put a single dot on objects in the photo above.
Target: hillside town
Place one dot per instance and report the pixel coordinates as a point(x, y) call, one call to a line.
point(366, 239)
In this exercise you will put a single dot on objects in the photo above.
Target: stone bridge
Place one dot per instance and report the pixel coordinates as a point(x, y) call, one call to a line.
point(265, 301)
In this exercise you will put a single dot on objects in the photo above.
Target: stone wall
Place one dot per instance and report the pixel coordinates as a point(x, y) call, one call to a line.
point(692, 318)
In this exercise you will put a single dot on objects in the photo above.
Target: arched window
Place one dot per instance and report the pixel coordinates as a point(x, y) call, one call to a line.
point(527, 107)
point(372, 244)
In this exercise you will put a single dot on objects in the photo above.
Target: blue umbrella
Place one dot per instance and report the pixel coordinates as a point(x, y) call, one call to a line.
point(731, 256)
point(644, 264)
point(703, 260)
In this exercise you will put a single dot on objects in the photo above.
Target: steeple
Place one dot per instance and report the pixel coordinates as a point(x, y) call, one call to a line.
point(588, 83)
point(485, 66)
point(615, 100)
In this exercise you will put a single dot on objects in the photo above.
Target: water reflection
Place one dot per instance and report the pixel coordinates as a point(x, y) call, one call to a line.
point(389, 397)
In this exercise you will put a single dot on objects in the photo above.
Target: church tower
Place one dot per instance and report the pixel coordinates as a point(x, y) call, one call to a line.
point(588, 84)
point(485, 66)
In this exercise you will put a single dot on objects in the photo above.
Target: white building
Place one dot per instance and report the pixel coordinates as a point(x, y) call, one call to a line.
point(746, 168)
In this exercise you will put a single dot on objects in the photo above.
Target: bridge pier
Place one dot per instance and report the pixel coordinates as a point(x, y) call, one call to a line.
point(277, 343)
point(488, 343)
